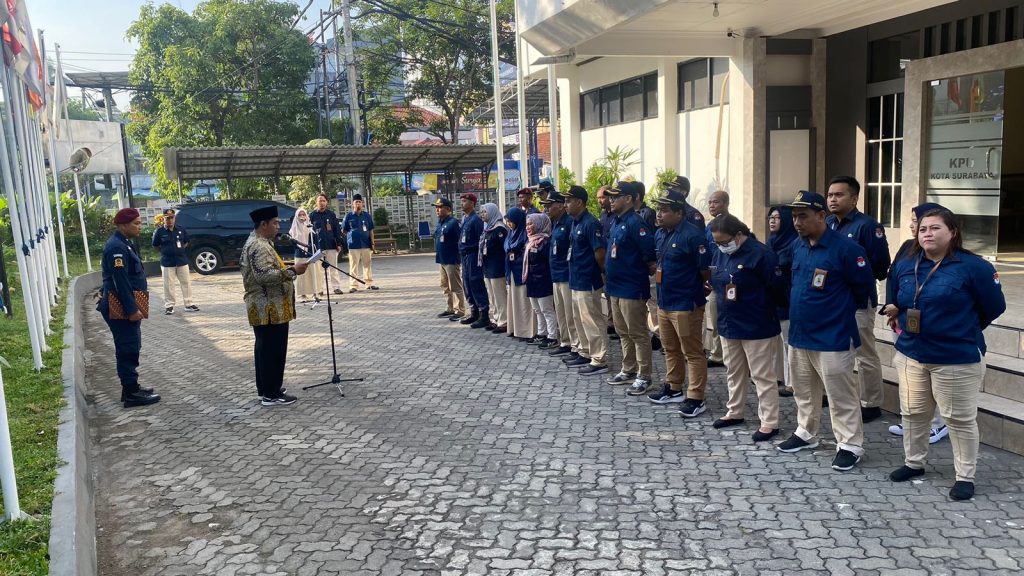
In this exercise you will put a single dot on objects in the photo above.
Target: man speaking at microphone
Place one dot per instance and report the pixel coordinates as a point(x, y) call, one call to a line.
point(270, 304)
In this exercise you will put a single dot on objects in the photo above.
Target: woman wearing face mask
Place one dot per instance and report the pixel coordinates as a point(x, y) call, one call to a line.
point(944, 297)
point(306, 285)
point(520, 321)
point(491, 255)
point(781, 236)
point(746, 282)
point(939, 429)
point(537, 273)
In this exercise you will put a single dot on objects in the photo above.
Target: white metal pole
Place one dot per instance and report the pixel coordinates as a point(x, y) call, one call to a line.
point(57, 199)
point(12, 509)
point(524, 142)
point(78, 189)
point(9, 165)
point(553, 121)
point(40, 199)
point(498, 134)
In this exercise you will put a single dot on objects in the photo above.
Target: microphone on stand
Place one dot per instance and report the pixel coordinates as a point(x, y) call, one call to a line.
point(293, 241)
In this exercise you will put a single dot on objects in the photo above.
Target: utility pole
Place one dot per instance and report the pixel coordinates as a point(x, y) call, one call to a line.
point(350, 69)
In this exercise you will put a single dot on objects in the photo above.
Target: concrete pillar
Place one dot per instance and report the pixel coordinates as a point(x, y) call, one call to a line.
point(819, 109)
point(668, 115)
point(747, 184)
point(569, 114)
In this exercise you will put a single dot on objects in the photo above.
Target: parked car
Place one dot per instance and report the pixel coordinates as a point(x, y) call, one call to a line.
point(218, 230)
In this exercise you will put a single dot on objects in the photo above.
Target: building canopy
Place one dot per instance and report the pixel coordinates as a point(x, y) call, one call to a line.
point(277, 161)
point(536, 95)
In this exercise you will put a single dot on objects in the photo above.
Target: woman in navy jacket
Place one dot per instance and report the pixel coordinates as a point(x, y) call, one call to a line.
point(746, 285)
point(520, 321)
point(944, 297)
point(492, 259)
point(537, 273)
point(782, 235)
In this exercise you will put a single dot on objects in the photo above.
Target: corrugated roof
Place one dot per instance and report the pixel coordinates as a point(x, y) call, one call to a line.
point(536, 96)
point(271, 161)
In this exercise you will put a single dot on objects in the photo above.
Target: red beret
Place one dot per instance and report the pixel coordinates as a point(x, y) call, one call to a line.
point(125, 215)
point(523, 191)
point(469, 196)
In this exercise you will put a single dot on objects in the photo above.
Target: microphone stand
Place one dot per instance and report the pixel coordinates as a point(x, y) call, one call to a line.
point(336, 379)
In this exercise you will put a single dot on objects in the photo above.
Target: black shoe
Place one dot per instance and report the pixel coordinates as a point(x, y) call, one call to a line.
point(844, 460)
point(655, 342)
point(560, 351)
point(962, 490)
point(795, 444)
point(455, 318)
point(870, 414)
point(538, 341)
point(491, 327)
point(824, 401)
point(759, 436)
point(551, 345)
point(593, 369)
point(714, 363)
point(500, 329)
point(192, 308)
point(282, 400)
point(169, 310)
point(483, 322)
point(338, 291)
point(572, 356)
point(611, 331)
point(140, 389)
point(140, 398)
point(445, 314)
point(785, 391)
point(667, 396)
point(579, 362)
point(473, 317)
point(727, 422)
point(691, 408)
point(904, 473)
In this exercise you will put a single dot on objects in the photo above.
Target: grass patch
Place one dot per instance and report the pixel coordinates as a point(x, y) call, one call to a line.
point(34, 400)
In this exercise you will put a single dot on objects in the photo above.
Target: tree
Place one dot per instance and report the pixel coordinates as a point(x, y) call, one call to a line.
point(232, 72)
point(443, 47)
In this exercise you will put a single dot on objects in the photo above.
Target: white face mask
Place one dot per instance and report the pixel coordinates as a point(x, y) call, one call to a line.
point(729, 248)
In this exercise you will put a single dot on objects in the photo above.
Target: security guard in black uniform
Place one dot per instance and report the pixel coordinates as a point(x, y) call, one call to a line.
point(123, 274)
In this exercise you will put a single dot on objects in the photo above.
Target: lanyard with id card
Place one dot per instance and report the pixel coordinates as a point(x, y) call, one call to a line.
point(730, 290)
point(818, 279)
point(914, 314)
point(669, 243)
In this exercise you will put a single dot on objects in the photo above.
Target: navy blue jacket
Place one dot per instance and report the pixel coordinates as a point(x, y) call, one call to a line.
point(682, 257)
point(693, 216)
point(494, 252)
point(469, 244)
point(514, 265)
point(782, 244)
point(630, 248)
point(959, 301)
point(606, 222)
point(446, 241)
point(649, 216)
point(173, 245)
point(752, 271)
point(561, 237)
point(123, 274)
point(357, 228)
point(823, 318)
point(538, 275)
point(326, 230)
point(869, 234)
point(587, 237)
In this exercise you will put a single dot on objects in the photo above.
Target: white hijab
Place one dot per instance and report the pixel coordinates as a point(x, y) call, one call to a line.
point(300, 230)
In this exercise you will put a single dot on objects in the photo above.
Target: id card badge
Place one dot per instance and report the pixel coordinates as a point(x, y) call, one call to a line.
point(511, 256)
point(554, 249)
point(913, 321)
point(178, 242)
point(818, 280)
point(328, 226)
point(485, 249)
point(730, 292)
point(463, 238)
point(657, 276)
point(615, 250)
point(568, 254)
point(364, 226)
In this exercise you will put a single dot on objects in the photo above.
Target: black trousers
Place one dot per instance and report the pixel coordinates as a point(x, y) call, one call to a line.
point(127, 344)
point(270, 353)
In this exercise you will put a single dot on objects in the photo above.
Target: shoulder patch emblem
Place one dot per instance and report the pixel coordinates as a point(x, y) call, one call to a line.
point(995, 277)
point(861, 262)
point(702, 249)
point(643, 231)
point(879, 233)
point(118, 263)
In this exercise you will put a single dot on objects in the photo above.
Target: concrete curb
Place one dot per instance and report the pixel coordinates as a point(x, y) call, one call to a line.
point(72, 547)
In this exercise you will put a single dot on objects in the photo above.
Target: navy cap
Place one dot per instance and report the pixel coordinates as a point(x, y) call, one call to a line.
point(442, 201)
point(553, 197)
point(681, 183)
point(805, 199)
point(673, 199)
point(545, 185)
point(620, 188)
point(266, 213)
point(577, 192)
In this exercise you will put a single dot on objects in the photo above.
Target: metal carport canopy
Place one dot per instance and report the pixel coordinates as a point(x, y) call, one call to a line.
point(276, 161)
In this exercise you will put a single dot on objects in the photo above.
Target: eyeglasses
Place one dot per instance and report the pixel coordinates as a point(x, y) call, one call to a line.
point(727, 242)
point(774, 217)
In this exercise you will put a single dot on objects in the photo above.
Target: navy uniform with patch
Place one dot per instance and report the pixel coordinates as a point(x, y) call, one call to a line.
point(472, 272)
point(869, 234)
point(123, 274)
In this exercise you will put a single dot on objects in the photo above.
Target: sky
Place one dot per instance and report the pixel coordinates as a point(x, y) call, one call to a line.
point(91, 35)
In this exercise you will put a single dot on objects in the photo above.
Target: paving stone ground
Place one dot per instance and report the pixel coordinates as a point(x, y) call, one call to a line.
point(466, 453)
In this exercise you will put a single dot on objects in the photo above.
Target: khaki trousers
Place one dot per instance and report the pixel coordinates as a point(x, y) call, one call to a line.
point(451, 285)
point(681, 338)
point(712, 343)
point(497, 295)
point(869, 366)
point(360, 265)
point(590, 325)
point(520, 313)
point(567, 334)
point(630, 318)
point(179, 273)
point(954, 389)
point(752, 359)
point(331, 256)
point(782, 354)
point(832, 372)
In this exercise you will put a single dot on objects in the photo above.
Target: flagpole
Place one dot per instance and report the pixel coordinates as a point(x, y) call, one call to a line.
point(524, 145)
point(59, 97)
point(12, 509)
point(499, 137)
point(78, 188)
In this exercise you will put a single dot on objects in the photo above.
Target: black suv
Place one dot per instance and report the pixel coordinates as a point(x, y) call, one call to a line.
point(218, 230)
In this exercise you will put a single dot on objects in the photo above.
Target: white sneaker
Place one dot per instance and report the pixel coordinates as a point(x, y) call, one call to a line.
point(938, 434)
point(896, 429)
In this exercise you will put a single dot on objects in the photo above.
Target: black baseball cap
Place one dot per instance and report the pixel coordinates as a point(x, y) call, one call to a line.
point(553, 197)
point(577, 192)
point(442, 201)
point(805, 199)
point(681, 183)
point(673, 199)
point(622, 187)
